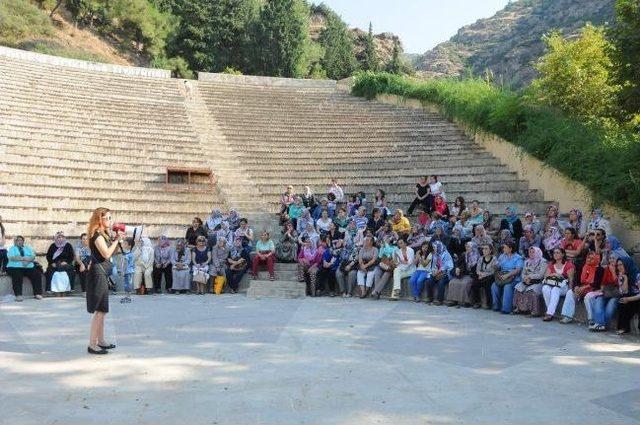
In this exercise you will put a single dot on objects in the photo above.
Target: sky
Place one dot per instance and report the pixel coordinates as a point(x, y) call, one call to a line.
point(421, 24)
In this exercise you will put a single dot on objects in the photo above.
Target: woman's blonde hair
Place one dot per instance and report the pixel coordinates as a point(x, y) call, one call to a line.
point(95, 222)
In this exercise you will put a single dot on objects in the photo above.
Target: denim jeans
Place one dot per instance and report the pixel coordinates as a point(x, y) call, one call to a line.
point(604, 309)
point(502, 297)
point(416, 282)
point(441, 284)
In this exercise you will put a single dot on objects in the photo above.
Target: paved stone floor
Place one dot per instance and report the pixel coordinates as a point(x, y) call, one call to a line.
point(232, 360)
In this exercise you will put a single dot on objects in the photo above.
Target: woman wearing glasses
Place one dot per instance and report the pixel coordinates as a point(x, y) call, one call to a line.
point(102, 248)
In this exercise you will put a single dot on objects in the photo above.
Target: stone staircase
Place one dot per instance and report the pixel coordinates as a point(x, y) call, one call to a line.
point(286, 284)
point(305, 135)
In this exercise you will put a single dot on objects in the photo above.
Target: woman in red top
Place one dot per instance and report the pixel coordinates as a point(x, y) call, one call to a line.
point(582, 287)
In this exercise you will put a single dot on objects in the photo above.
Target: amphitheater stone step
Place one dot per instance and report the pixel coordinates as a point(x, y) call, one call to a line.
point(276, 289)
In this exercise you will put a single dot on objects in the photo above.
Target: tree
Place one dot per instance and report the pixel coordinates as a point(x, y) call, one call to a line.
point(576, 75)
point(283, 38)
point(339, 59)
point(370, 60)
point(625, 37)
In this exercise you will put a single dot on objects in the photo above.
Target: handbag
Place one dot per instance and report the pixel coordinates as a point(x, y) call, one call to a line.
point(556, 281)
point(611, 291)
point(218, 284)
point(200, 276)
point(60, 282)
point(387, 264)
point(500, 281)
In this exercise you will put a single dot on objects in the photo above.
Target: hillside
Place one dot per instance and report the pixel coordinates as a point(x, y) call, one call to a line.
point(508, 42)
point(384, 42)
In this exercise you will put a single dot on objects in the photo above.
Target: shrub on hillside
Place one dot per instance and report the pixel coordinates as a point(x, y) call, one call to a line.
point(20, 19)
point(603, 157)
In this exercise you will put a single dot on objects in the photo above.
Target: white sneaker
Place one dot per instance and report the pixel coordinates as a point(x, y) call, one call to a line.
point(19, 298)
point(38, 297)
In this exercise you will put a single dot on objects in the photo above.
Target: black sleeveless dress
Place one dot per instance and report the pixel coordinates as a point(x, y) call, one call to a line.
point(98, 279)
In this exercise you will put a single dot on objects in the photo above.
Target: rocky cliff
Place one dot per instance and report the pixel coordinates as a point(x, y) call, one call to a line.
point(509, 42)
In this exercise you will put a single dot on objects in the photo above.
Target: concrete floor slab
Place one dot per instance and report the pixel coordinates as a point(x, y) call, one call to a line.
point(233, 360)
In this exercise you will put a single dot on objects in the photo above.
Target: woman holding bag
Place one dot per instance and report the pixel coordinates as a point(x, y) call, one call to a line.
point(102, 248)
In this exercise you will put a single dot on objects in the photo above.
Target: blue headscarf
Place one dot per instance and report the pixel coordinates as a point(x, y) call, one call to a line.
point(512, 216)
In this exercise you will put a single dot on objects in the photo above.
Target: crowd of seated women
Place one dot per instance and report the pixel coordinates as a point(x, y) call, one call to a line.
point(455, 254)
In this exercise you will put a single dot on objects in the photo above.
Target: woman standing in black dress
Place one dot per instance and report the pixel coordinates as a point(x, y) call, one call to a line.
point(98, 278)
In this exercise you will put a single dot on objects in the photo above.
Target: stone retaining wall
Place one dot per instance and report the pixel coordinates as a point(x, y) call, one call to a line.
point(266, 81)
point(568, 193)
point(131, 71)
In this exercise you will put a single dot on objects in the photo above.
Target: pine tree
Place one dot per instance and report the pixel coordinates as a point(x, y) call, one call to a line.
point(370, 56)
point(283, 39)
point(339, 59)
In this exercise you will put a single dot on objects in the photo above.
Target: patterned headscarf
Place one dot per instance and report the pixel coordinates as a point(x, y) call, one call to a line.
point(60, 241)
point(536, 259)
point(472, 255)
point(553, 240)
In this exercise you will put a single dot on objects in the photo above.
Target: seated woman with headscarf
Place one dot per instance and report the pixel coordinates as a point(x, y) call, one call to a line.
point(417, 238)
point(310, 233)
point(323, 223)
point(162, 265)
point(304, 221)
point(181, 260)
point(367, 260)
point(485, 270)
point(439, 268)
point(464, 226)
point(60, 257)
point(599, 222)
point(530, 219)
point(551, 240)
point(287, 248)
point(481, 238)
point(510, 265)
point(347, 272)
point(529, 238)
point(225, 232)
point(236, 265)
point(233, 218)
point(309, 260)
point(529, 290)
point(463, 277)
point(577, 222)
point(551, 218)
point(213, 223)
point(512, 222)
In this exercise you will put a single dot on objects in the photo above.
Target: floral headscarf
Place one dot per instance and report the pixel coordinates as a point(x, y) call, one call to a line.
point(471, 255)
point(552, 241)
point(536, 259)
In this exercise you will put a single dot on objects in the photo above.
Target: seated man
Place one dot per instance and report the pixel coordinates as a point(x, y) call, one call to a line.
point(400, 224)
point(21, 264)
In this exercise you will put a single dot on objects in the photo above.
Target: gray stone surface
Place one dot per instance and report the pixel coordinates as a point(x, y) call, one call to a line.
point(235, 360)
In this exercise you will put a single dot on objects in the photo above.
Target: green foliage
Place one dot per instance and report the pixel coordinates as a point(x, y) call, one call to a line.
point(576, 75)
point(20, 19)
point(282, 38)
point(370, 60)
point(231, 71)
point(178, 66)
point(137, 22)
point(603, 157)
point(339, 59)
point(625, 37)
point(397, 64)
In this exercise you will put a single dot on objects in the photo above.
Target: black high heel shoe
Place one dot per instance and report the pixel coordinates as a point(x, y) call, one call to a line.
point(99, 352)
